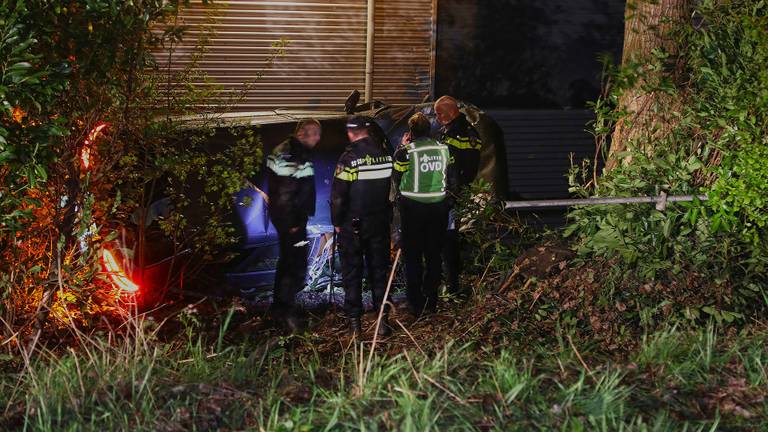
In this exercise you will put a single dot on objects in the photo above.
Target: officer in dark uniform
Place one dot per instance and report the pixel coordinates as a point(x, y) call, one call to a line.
point(464, 143)
point(291, 183)
point(361, 214)
point(424, 179)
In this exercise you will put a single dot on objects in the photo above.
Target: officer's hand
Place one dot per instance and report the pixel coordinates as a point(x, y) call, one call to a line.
point(337, 229)
point(294, 230)
point(406, 138)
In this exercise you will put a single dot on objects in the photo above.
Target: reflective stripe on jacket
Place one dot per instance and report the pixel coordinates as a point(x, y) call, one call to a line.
point(361, 183)
point(291, 184)
point(464, 143)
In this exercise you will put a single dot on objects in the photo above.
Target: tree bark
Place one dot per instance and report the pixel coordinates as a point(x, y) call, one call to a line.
point(648, 25)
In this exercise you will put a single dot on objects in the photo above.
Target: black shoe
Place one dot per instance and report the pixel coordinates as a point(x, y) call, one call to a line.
point(384, 328)
point(354, 327)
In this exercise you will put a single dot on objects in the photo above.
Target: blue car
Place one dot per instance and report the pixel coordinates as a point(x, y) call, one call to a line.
point(255, 271)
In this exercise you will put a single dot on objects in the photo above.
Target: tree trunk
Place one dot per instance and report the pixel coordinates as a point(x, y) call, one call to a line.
point(648, 25)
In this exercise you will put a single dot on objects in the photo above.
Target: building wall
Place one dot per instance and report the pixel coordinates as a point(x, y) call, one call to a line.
point(540, 145)
point(325, 56)
point(533, 66)
point(523, 54)
point(404, 50)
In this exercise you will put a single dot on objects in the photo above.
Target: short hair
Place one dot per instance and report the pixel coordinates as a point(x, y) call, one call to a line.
point(419, 125)
point(357, 122)
point(450, 103)
point(306, 122)
point(447, 99)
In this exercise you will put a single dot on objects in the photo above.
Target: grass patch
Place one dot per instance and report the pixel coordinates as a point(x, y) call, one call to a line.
point(677, 380)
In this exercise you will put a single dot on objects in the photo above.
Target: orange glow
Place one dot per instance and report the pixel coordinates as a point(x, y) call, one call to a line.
point(18, 114)
point(85, 154)
point(116, 274)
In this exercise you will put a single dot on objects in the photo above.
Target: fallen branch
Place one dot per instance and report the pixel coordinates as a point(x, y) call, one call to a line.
point(583, 363)
point(381, 313)
point(469, 329)
point(412, 338)
point(480, 283)
point(413, 369)
point(509, 279)
point(448, 392)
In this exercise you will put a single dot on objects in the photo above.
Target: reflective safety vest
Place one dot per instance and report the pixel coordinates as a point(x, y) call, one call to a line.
point(423, 165)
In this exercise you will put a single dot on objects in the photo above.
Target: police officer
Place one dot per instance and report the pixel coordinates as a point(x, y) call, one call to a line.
point(464, 143)
point(424, 177)
point(361, 213)
point(291, 184)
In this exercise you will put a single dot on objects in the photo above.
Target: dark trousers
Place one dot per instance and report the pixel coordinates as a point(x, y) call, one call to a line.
point(423, 227)
point(364, 246)
point(452, 258)
point(291, 268)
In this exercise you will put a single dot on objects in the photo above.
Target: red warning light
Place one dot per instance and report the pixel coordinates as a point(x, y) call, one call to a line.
point(116, 274)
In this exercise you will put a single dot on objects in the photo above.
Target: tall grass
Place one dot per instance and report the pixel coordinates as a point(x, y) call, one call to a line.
point(136, 382)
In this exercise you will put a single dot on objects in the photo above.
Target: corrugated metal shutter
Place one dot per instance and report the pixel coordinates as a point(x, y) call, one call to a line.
point(324, 61)
point(404, 50)
point(325, 58)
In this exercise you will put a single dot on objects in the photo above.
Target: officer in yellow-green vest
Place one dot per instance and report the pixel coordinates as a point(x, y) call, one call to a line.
point(424, 178)
point(464, 144)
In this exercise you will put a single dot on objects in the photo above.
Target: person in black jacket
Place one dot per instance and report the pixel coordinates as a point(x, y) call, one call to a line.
point(291, 183)
point(464, 143)
point(361, 213)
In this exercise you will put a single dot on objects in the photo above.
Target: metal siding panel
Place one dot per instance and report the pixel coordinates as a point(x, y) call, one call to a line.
point(323, 63)
point(538, 147)
point(325, 58)
point(403, 50)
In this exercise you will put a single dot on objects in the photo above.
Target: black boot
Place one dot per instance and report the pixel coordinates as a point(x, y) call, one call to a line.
point(384, 328)
point(354, 327)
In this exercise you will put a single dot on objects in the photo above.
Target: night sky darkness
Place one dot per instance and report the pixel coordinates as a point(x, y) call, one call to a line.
point(526, 54)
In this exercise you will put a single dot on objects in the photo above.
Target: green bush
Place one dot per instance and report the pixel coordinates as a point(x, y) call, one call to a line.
point(66, 67)
point(714, 250)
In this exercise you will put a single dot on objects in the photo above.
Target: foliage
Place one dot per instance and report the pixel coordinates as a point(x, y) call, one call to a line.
point(494, 235)
point(713, 118)
point(28, 125)
point(728, 64)
point(68, 67)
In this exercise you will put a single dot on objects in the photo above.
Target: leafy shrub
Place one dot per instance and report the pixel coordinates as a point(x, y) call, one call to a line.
point(65, 68)
point(715, 145)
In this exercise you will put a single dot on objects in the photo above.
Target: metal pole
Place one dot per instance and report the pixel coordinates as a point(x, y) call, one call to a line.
point(369, 51)
point(660, 200)
point(331, 288)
